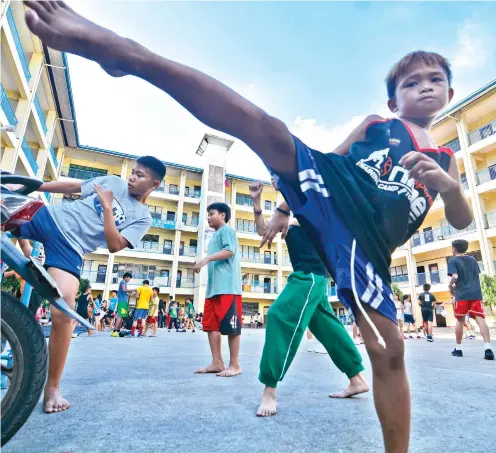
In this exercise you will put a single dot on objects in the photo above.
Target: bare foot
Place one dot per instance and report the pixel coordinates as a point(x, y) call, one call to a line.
point(213, 368)
point(269, 403)
point(54, 401)
point(357, 386)
point(230, 372)
point(61, 28)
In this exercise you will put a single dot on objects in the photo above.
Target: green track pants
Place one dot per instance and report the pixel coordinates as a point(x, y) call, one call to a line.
point(303, 303)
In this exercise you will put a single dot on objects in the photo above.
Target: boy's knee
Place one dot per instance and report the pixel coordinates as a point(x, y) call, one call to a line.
point(58, 318)
point(391, 358)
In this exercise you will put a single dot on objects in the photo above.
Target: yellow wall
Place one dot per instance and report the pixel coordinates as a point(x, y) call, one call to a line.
point(482, 121)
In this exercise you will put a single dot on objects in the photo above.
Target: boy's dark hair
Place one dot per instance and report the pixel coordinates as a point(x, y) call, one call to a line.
point(153, 164)
point(405, 297)
point(127, 274)
point(189, 298)
point(426, 287)
point(460, 245)
point(114, 291)
point(86, 288)
point(156, 288)
point(146, 282)
point(221, 208)
point(429, 58)
point(170, 298)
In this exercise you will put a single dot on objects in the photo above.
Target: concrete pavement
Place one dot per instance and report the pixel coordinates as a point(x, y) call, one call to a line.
point(140, 395)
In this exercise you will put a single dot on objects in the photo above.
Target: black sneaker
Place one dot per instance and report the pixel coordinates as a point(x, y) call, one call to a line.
point(489, 354)
point(429, 338)
point(458, 353)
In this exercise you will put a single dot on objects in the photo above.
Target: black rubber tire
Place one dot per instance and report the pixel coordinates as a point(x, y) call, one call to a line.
point(25, 336)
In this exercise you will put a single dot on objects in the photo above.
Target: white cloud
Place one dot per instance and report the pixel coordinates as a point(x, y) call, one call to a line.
point(471, 47)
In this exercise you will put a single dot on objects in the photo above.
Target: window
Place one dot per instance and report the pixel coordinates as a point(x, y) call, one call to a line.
point(245, 225)
point(399, 274)
point(250, 308)
point(151, 238)
point(155, 211)
point(249, 251)
point(82, 172)
point(244, 200)
point(87, 265)
point(268, 205)
point(171, 215)
point(174, 189)
point(185, 218)
point(195, 218)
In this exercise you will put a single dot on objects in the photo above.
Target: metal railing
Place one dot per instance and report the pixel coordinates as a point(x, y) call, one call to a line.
point(246, 228)
point(192, 193)
point(40, 114)
point(54, 156)
point(482, 132)
point(243, 201)
point(80, 173)
point(138, 279)
point(185, 282)
point(464, 183)
point(154, 247)
point(166, 188)
point(18, 44)
point(259, 287)
point(439, 234)
point(7, 108)
point(454, 145)
point(191, 221)
point(399, 279)
point(187, 251)
point(433, 277)
point(29, 155)
point(490, 219)
point(258, 258)
point(94, 276)
point(489, 174)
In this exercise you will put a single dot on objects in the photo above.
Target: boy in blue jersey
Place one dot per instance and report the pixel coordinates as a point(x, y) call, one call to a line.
point(356, 204)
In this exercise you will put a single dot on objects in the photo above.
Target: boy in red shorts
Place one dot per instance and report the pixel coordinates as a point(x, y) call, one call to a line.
point(465, 286)
point(223, 309)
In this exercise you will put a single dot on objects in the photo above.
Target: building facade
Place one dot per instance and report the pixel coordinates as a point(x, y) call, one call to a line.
point(36, 99)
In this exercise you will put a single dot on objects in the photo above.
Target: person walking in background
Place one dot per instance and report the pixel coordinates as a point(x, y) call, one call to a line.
point(426, 301)
point(84, 305)
point(399, 314)
point(162, 316)
point(173, 313)
point(151, 320)
point(465, 286)
point(409, 320)
point(144, 294)
point(190, 314)
point(122, 303)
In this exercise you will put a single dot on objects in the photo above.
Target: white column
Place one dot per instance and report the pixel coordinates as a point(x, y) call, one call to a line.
point(108, 276)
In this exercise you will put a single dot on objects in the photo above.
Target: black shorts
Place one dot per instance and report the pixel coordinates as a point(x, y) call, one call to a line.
point(409, 319)
point(427, 315)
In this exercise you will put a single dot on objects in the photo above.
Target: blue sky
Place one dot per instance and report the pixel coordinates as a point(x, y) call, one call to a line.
point(318, 66)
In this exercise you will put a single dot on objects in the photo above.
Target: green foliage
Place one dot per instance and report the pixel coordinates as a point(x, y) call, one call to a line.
point(11, 284)
point(82, 283)
point(396, 289)
point(488, 285)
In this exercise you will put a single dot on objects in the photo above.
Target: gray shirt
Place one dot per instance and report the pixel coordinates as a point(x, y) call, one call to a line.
point(81, 221)
point(224, 276)
point(468, 284)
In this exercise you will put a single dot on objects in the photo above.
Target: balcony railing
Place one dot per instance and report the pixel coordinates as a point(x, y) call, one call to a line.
point(258, 258)
point(491, 219)
point(464, 183)
point(399, 279)
point(40, 114)
point(54, 156)
point(483, 132)
point(94, 276)
point(164, 222)
point(167, 188)
point(259, 287)
point(242, 201)
point(80, 173)
point(433, 277)
point(439, 234)
point(7, 108)
point(489, 174)
point(187, 251)
point(29, 155)
point(18, 44)
point(287, 260)
point(138, 279)
point(185, 282)
point(154, 247)
point(191, 221)
point(454, 145)
point(191, 193)
point(246, 228)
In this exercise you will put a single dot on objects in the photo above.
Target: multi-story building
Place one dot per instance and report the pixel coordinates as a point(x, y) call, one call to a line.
point(36, 99)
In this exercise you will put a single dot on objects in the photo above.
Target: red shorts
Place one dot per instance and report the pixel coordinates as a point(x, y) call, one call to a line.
point(472, 307)
point(151, 319)
point(223, 313)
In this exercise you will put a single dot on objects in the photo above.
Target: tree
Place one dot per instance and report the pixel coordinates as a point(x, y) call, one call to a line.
point(396, 289)
point(12, 285)
point(488, 285)
point(82, 283)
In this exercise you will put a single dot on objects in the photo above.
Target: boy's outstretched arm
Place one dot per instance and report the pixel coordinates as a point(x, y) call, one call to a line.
point(207, 99)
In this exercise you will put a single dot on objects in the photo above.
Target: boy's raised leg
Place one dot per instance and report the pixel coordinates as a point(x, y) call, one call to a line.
point(212, 102)
point(390, 381)
point(60, 340)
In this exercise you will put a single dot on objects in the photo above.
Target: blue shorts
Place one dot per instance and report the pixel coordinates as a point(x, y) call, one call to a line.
point(58, 252)
point(140, 313)
point(313, 206)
